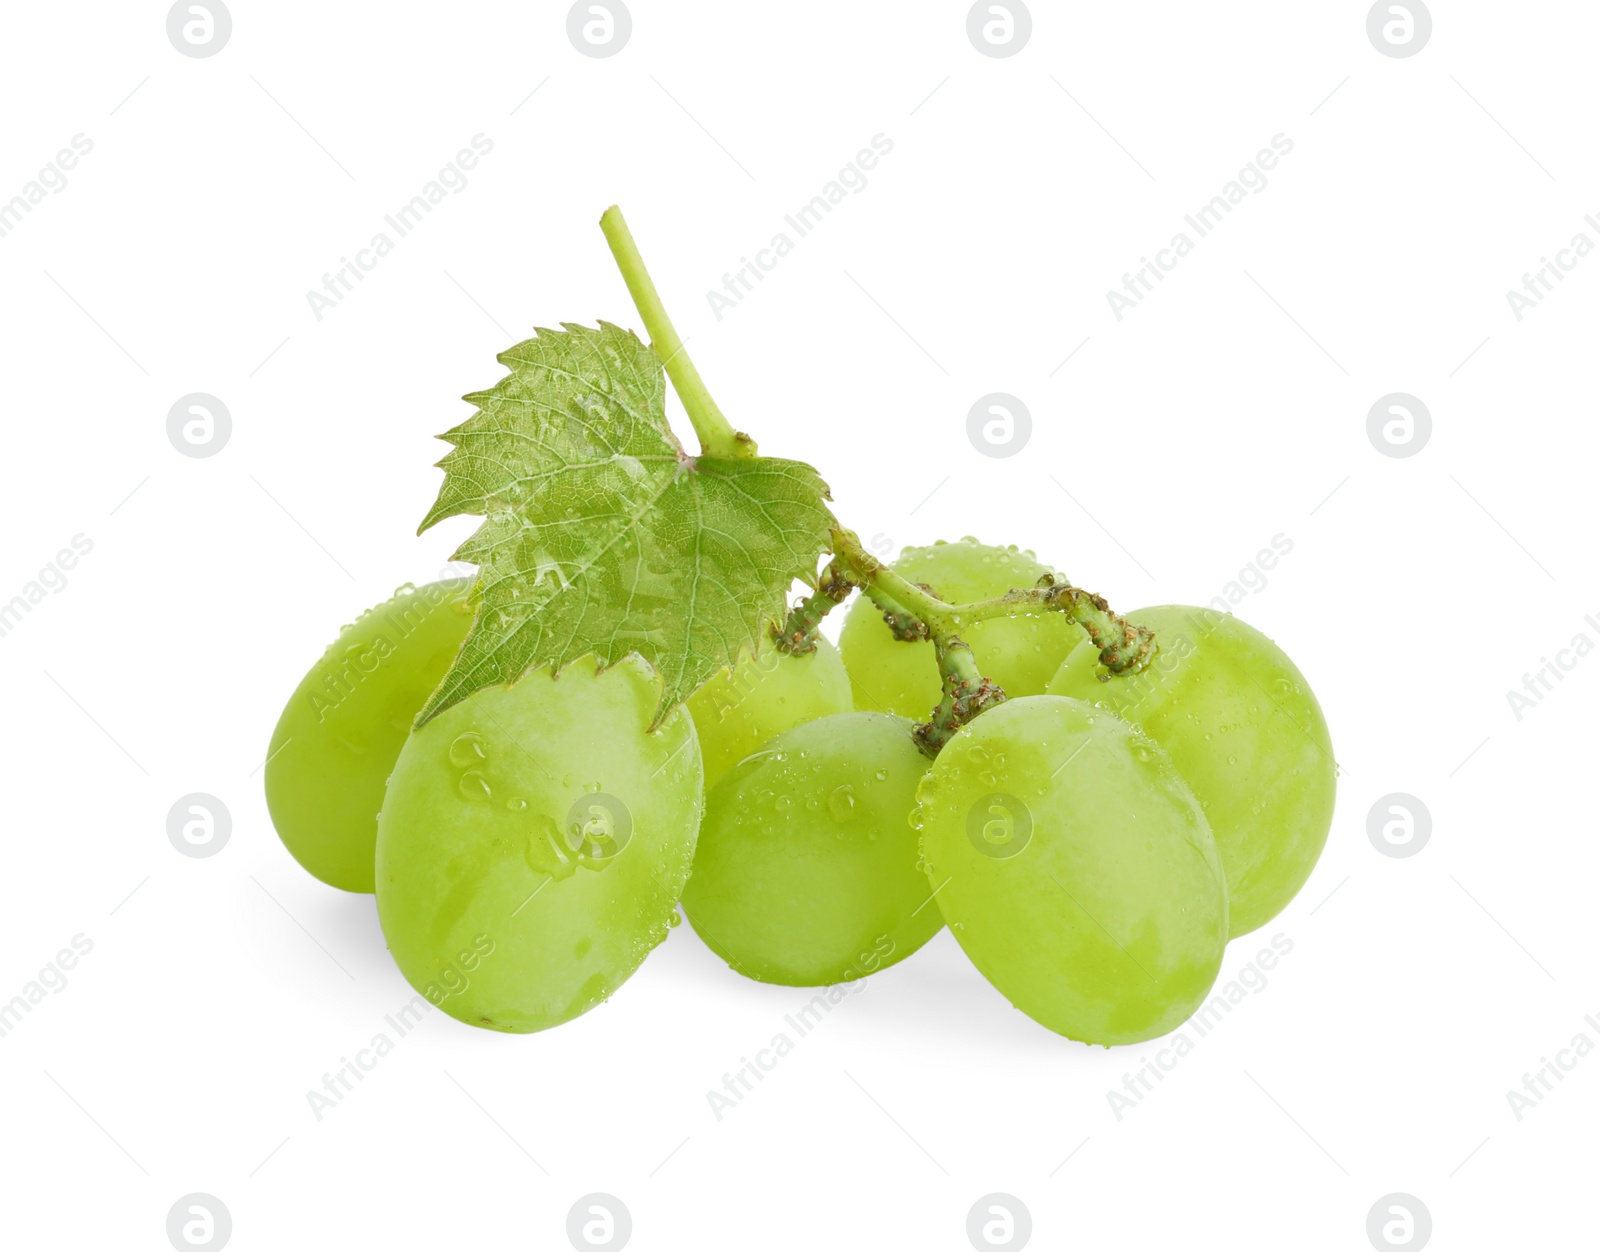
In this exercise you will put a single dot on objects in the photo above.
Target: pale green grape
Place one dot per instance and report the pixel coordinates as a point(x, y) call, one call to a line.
point(1244, 729)
point(533, 844)
point(806, 873)
point(1076, 869)
point(1081, 668)
point(1018, 653)
point(763, 696)
point(344, 725)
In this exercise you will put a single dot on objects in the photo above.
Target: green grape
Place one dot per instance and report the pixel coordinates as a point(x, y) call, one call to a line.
point(534, 841)
point(806, 872)
point(763, 696)
point(1081, 668)
point(1242, 726)
point(1018, 653)
point(1076, 869)
point(344, 726)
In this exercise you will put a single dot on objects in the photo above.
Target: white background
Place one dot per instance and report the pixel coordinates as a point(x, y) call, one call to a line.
point(1230, 407)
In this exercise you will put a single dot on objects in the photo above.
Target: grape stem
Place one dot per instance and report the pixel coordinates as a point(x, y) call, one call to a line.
point(717, 436)
point(798, 634)
point(1124, 647)
point(912, 611)
point(966, 694)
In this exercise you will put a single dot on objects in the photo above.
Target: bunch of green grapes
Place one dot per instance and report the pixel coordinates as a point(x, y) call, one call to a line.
point(1092, 849)
point(1019, 653)
point(1094, 806)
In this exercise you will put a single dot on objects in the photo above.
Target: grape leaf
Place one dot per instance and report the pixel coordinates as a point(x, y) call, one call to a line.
point(601, 534)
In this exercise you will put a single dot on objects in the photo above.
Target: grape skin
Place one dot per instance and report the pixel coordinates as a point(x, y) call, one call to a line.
point(1108, 925)
point(501, 891)
point(1018, 653)
point(806, 873)
point(1242, 726)
point(737, 712)
point(340, 732)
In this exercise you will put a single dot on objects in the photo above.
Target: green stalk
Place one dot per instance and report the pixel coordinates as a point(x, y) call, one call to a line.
point(717, 436)
point(966, 694)
point(798, 634)
point(1124, 647)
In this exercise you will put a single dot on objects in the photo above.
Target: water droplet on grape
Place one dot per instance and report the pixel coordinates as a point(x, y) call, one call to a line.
point(474, 786)
point(468, 749)
point(842, 803)
point(516, 804)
